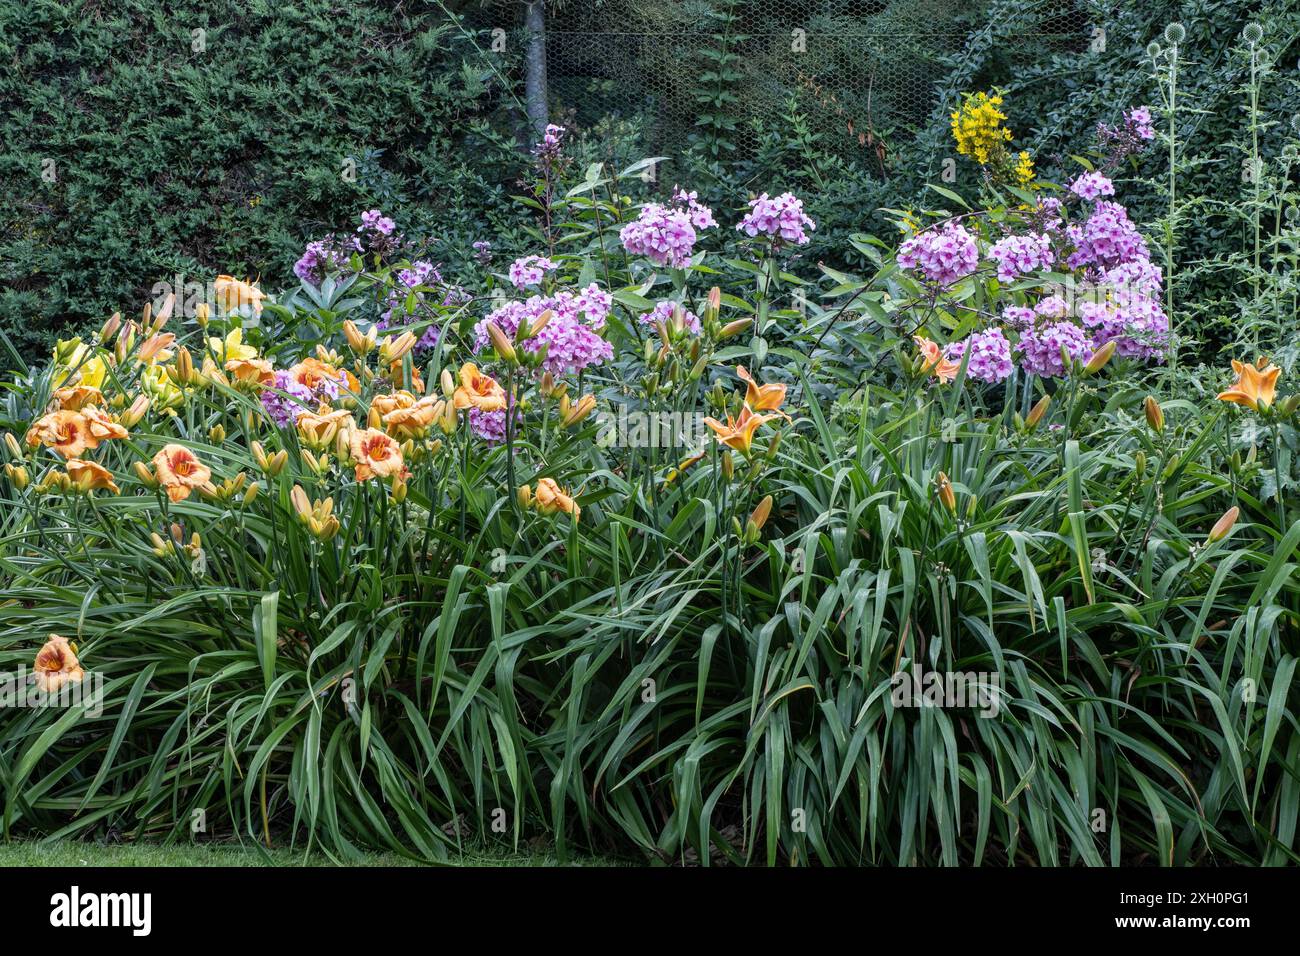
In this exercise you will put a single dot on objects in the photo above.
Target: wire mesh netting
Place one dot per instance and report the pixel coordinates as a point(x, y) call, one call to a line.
point(863, 73)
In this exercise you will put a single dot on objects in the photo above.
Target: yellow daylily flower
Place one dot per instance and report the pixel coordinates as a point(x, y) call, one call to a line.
point(1255, 387)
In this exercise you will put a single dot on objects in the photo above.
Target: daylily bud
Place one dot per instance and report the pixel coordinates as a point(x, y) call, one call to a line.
point(185, 366)
point(579, 411)
point(1140, 463)
point(1224, 524)
point(448, 383)
point(18, 475)
point(946, 495)
point(542, 321)
point(251, 494)
point(502, 344)
point(277, 462)
point(759, 516)
point(734, 328)
point(132, 416)
point(217, 434)
point(358, 343)
point(547, 385)
point(146, 476)
point(447, 420)
point(728, 467)
point(1155, 414)
point(524, 496)
point(202, 314)
point(109, 328)
point(399, 490)
point(298, 498)
point(1037, 412)
point(1100, 358)
point(714, 300)
point(394, 350)
point(11, 443)
point(259, 455)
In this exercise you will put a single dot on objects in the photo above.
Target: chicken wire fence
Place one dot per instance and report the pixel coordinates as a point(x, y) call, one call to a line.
point(864, 74)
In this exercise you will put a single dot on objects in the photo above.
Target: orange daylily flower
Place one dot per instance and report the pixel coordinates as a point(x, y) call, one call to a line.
point(761, 398)
point(91, 476)
point(383, 404)
point(56, 664)
point(413, 422)
point(179, 471)
point(478, 390)
point(233, 293)
point(943, 369)
point(550, 498)
point(251, 371)
point(738, 433)
point(311, 372)
point(100, 426)
point(156, 348)
point(319, 428)
point(76, 397)
point(65, 431)
point(1255, 387)
point(375, 454)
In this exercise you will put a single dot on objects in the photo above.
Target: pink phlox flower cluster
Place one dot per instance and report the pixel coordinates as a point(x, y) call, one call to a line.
point(943, 256)
point(1020, 255)
point(781, 218)
point(1092, 185)
point(663, 312)
point(663, 234)
point(571, 338)
point(990, 355)
point(530, 270)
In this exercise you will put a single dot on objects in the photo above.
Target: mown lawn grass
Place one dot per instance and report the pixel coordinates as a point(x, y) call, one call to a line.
point(72, 853)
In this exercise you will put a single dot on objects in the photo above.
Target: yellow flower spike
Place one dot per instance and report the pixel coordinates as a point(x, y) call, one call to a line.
point(1155, 414)
point(1224, 525)
point(1255, 387)
point(946, 495)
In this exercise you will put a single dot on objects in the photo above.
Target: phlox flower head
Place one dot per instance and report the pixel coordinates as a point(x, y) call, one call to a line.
point(571, 336)
point(663, 312)
point(530, 270)
point(942, 256)
point(1040, 349)
point(990, 355)
point(781, 218)
point(1020, 255)
point(1091, 186)
point(664, 235)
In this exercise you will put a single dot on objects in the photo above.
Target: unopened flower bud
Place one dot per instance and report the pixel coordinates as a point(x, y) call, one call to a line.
point(1224, 524)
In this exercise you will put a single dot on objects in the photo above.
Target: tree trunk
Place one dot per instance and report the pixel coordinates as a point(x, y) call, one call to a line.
point(535, 92)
